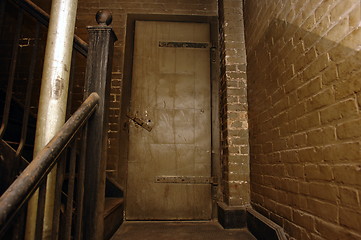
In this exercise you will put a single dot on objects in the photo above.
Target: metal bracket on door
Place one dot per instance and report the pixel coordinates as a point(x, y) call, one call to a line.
point(183, 44)
point(140, 122)
point(187, 179)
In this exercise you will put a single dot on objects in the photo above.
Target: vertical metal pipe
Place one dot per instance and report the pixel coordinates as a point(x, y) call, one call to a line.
point(53, 95)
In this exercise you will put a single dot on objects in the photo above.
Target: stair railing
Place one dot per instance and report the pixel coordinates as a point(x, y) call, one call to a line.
point(43, 17)
point(79, 150)
point(34, 175)
point(23, 28)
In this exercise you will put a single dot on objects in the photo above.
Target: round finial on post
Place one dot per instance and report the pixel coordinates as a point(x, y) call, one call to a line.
point(104, 17)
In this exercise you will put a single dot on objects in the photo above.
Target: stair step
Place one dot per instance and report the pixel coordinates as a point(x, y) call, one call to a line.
point(113, 215)
point(111, 204)
point(113, 189)
point(157, 230)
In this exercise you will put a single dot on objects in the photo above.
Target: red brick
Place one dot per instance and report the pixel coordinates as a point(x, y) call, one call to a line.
point(308, 121)
point(321, 136)
point(324, 191)
point(350, 218)
point(349, 197)
point(348, 174)
point(322, 99)
point(351, 129)
point(310, 154)
point(342, 152)
point(309, 88)
point(303, 219)
point(338, 111)
point(318, 172)
point(332, 231)
point(323, 209)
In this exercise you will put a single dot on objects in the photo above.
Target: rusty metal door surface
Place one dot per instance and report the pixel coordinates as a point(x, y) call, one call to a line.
point(169, 160)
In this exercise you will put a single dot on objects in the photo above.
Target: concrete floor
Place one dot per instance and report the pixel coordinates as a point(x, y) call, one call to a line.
point(179, 231)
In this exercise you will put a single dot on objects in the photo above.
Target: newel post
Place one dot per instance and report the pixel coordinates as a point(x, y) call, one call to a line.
point(97, 79)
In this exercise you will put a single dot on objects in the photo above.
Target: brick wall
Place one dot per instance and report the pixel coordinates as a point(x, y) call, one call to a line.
point(120, 9)
point(304, 88)
point(233, 105)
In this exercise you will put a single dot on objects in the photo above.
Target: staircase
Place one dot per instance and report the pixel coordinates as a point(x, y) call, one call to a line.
point(113, 207)
point(10, 169)
point(11, 163)
point(22, 50)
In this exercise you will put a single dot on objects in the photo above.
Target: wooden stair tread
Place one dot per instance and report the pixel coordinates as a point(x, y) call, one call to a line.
point(113, 215)
point(111, 204)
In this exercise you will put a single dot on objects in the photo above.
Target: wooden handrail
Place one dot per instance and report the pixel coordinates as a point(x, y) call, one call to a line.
point(29, 180)
point(43, 17)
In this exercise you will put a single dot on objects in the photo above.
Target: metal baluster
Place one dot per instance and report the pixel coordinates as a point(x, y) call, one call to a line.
point(29, 89)
point(71, 85)
point(2, 14)
point(12, 73)
point(18, 228)
point(80, 187)
point(58, 194)
point(69, 202)
point(40, 211)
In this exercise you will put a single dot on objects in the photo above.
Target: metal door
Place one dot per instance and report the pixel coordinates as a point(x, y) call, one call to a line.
point(169, 160)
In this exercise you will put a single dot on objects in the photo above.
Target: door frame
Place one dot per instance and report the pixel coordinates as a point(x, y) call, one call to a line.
point(215, 101)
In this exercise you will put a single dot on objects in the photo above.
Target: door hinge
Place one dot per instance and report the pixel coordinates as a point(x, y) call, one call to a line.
point(213, 54)
point(183, 44)
point(187, 179)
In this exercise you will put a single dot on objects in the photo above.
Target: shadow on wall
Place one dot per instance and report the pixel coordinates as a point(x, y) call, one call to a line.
point(304, 92)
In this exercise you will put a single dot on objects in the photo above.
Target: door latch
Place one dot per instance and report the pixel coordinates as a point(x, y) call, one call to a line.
point(141, 122)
